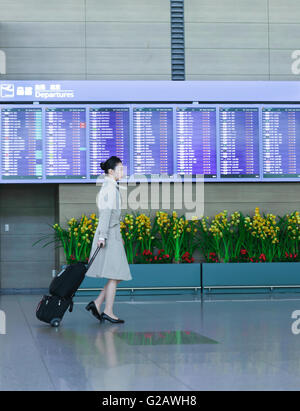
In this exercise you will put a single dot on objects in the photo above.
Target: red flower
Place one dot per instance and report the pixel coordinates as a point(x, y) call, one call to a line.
point(243, 251)
point(146, 252)
point(263, 257)
point(290, 255)
point(186, 258)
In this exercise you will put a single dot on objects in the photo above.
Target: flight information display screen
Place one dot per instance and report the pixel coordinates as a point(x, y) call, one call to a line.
point(109, 135)
point(21, 143)
point(281, 142)
point(65, 131)
point(196, 141)
point(239, 142)
point(47, 143)
point(153, 140)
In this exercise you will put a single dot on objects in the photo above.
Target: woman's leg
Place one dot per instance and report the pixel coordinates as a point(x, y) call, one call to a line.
point(99, 300)
point(101, 297)
point(110, 296)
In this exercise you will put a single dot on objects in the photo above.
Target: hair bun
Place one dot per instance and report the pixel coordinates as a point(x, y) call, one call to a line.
point(110, 163)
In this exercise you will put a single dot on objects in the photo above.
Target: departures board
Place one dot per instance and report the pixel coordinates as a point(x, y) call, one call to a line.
point(46, 143)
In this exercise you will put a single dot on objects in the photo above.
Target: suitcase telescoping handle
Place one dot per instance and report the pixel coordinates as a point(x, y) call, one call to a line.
point(94, 256)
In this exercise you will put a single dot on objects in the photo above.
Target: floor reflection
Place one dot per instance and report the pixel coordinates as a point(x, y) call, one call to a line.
point(177, 337)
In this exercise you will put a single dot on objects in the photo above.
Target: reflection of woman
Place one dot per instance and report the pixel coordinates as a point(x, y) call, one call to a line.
point(111, 261)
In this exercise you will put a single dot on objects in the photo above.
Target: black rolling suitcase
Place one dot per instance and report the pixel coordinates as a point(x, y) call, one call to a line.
point(51, 309)
point(62, 289)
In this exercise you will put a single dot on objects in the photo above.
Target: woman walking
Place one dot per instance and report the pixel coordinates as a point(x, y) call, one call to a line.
point(111, 261)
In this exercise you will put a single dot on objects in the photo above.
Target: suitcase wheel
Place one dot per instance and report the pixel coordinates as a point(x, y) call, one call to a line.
point(55, 322)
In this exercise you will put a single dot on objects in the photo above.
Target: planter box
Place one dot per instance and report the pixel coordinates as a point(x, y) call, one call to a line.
point(249, 277)
point(149, 276)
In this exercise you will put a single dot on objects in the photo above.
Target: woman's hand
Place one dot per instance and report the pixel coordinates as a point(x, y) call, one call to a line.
point(101, 242)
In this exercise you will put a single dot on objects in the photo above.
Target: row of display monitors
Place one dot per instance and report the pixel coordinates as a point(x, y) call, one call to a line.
point(60, 143)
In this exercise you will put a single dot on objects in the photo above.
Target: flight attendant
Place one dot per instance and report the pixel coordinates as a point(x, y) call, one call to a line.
point(111, 260)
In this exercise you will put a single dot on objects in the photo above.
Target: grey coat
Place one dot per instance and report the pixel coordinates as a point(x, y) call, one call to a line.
point(111, 260)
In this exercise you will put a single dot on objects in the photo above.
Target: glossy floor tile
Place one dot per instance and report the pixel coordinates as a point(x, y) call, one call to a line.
point(177, 337)
point(171, 342)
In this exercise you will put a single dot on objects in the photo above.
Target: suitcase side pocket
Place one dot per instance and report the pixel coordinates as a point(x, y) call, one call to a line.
point(51, 307)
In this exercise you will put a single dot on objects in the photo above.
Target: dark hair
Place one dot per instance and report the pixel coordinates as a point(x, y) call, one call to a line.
point(111, 162)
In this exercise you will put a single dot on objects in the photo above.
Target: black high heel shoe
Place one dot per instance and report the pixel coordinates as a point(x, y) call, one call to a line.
point(93, 309)
point(104, 316)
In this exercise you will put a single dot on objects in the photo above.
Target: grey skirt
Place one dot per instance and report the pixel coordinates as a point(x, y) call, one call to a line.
point(111, 260)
